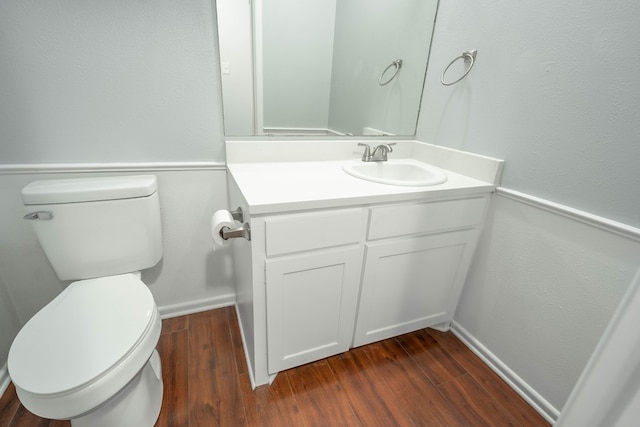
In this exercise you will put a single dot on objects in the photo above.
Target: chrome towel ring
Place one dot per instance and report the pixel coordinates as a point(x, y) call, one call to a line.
point(398, 64)
point(469, 57)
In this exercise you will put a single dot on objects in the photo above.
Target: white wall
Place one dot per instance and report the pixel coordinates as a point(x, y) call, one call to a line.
point(192, 276)
point(115, 81)
point(541, 291)
point(297, 49)
point(556, 94)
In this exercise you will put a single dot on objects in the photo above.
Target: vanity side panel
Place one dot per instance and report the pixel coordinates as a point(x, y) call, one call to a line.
point(249, 302)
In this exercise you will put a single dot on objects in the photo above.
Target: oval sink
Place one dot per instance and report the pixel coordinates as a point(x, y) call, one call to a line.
point(407, 172)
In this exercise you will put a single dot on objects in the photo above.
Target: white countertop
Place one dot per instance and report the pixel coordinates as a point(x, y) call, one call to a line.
point(273, 187)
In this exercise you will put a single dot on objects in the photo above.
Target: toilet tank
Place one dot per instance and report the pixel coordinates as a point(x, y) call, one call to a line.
point(94, 227)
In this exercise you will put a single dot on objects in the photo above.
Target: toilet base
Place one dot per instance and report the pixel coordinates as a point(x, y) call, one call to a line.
point(136, 405)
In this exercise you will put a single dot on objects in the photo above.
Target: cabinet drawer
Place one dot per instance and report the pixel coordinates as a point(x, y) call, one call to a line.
point(420, 218)
point(300, 232)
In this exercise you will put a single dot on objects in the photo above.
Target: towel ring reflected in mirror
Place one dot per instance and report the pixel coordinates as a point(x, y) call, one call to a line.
point(397, 64)
point(469, 58)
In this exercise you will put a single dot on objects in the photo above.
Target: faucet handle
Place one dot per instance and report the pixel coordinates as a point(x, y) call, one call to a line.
point(380, 152)
point(366, 156)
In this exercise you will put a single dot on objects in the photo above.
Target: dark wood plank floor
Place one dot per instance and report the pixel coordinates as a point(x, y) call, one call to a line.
point(425, 378)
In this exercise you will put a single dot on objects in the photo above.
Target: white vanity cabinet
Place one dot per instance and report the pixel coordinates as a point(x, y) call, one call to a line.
point(417, 257)
point(335, 261)
point(322, 299)
point(312, 275)
point(323, 281)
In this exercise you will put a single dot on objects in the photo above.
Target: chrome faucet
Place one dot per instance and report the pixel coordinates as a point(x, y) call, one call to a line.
point(379, 153)
point(366, 156)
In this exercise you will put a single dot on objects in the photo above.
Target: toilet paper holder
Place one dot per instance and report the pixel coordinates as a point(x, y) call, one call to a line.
point(243, 231)
point(237, 214)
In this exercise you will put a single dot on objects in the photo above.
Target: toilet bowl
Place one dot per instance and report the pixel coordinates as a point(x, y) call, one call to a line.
point(90, 353)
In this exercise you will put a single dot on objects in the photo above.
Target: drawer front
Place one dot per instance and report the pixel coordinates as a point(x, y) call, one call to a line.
point(421, 218)
point(301, 232)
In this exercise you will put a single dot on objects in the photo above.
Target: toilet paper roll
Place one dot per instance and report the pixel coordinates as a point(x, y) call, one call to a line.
point(221, 218)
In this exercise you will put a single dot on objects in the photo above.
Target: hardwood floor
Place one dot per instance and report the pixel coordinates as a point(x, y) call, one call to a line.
point(425, 378)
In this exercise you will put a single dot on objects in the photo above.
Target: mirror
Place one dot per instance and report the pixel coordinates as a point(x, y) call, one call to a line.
point(323, 67)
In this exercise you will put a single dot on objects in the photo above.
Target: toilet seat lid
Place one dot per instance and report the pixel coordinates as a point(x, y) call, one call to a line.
point(80, 335)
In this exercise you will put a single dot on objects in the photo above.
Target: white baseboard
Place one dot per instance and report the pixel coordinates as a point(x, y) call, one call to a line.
point(197, 306)
point(5, 380)
point(527, 392)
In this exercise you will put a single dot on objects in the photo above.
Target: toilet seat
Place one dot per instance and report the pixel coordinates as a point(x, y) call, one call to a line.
point(84, 346)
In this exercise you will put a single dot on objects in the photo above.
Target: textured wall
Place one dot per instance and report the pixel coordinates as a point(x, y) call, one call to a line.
point(555, 92)
point(109, 81)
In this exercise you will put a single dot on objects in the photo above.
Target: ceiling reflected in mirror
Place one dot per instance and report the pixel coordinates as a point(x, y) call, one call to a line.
point(323, 67)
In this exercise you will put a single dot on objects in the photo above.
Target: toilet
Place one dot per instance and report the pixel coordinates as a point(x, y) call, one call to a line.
point(90, 356)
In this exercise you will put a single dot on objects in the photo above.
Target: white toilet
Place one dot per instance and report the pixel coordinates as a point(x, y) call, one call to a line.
point(89, 355)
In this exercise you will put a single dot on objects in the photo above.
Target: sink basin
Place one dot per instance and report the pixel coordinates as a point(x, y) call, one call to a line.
point(407, 172)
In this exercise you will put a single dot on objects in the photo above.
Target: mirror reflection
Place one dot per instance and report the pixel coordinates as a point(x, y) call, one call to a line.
point(323, 67)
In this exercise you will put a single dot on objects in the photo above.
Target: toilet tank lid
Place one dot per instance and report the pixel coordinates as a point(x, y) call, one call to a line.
point(88, 189)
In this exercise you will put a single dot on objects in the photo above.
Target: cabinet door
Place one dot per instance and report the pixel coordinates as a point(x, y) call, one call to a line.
point(311, 305)
point(411, 283)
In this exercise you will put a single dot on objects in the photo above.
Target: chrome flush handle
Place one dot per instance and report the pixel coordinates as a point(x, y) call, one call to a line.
point(39, 215)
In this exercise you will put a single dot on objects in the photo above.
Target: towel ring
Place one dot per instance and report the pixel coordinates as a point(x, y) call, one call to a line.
point(469, 57)
point(398, 64)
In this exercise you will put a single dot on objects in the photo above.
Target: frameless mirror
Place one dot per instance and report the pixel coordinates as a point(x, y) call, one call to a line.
point(323, 67)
